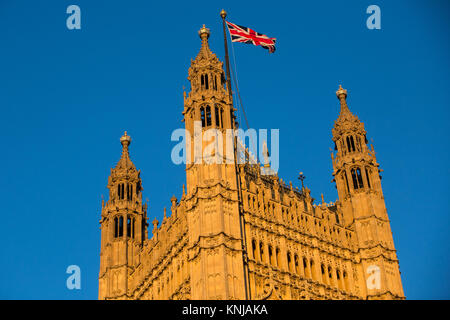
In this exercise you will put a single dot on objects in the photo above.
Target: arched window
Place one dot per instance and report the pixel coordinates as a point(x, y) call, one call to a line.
point(116, 227)
point(368, 177)
point(221, 117)
point(278, 257)
point(216, 112)
point(120, 226)
point(254, 249)
point(206, 82)
point(357, 178)
point(123, 191)
point(313, 269)
point(132, 228)
point(322, 270)
point(297, 265)
point(215, 83)
point(208, 116)
point(330, 275)
point(271, 260)
point(128, 227)
point(289, 261)
point(261, 251)
point(350, 144)
point(202, 116)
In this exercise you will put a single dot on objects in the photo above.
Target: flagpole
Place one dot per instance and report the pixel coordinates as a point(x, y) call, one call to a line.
point(223, 14)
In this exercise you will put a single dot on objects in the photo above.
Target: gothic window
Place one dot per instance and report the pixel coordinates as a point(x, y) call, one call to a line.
point(306, 268)
point(202, 116)
point(120, 226)
point(357, 178)
point(297, 266)
point(312, 269)
point(254, 249)
point(350, 144)
point(368, 177)
point(128, 227)
point(123, 191)
point(271, 261)
point(216, 111)
point(288, 256)
point(337, 218)
point(116, 227)
point(206, 82)
point(322, 269)
point(132, 229)
point(215, 82)
point(261, 251)
point(221, 117)
point(278, 257)
point(208, 116)
point(118, 191)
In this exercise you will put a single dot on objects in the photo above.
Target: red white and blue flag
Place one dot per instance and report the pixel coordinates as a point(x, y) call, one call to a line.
point(247, 35)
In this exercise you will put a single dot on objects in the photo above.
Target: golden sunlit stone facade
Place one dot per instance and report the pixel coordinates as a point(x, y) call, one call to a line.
point(281, 246)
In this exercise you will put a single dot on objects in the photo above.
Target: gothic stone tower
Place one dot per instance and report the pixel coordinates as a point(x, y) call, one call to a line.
point(237, 234)
point(212, 199)
point(123, 226)
point(358, 182)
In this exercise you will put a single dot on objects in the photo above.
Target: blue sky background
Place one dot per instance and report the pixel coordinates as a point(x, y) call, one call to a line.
point(67, 96)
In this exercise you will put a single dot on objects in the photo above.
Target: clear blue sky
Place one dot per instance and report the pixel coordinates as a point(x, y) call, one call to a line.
point(67, 96)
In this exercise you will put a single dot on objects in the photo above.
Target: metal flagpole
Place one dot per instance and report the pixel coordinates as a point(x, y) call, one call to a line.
point(223, 14)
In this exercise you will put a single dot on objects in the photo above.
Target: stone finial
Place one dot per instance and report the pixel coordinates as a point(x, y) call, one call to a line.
point(173, 200)
point(155, 223)
point(125, 140)
point(341, 93)
point(204, 33)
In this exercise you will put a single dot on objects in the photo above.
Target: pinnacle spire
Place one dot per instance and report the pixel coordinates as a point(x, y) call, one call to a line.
point(345, 113)
point(342, 96)
point(205, 51)
point(125, 161)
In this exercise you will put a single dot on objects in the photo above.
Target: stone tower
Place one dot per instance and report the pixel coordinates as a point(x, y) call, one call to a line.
point(358, 181)
point(123, 226)
point(212, 199)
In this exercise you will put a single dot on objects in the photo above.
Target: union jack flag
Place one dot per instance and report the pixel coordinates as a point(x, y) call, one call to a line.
point(247, 35)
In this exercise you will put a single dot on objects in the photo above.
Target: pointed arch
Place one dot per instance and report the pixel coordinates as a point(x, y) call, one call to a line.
point(208, 116)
